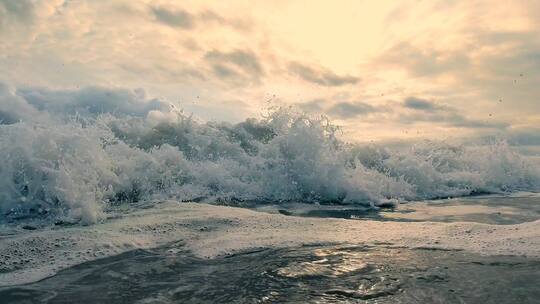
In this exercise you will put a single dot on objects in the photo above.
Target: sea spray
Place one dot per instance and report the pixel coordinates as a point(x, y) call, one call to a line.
point(71, 155)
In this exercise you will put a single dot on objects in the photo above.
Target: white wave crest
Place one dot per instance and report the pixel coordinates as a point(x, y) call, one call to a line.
point(63, 155)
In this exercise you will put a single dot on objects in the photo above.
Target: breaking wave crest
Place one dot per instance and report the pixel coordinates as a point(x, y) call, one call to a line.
point(73, 154)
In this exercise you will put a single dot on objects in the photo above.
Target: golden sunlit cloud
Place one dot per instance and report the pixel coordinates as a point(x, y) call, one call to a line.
point(475, 65)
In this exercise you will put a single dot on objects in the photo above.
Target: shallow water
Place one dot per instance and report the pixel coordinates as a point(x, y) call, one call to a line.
point(488, 209)
point(314, 274)
point(491, 209)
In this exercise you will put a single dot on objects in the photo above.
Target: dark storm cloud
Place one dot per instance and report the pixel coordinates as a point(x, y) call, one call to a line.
point(347, 110)
point(320, 76)
point(174, 17)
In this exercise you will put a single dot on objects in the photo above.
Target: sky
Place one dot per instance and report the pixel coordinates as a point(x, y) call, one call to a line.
point(383, 70)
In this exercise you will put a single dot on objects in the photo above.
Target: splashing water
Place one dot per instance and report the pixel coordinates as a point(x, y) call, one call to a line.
point(74, 154)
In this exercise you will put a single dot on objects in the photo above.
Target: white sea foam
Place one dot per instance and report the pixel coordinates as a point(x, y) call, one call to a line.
point(71, 155)
point(209, 231)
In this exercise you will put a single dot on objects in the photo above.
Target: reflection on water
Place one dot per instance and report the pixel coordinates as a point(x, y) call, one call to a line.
point(489, 209)
point(498, 210)
point(314, 274)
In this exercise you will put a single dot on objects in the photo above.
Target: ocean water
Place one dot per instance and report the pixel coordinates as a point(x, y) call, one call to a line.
point(308, 274)
point(380, 272)
point(509, 209)
point(70, 156)
point(88, 157)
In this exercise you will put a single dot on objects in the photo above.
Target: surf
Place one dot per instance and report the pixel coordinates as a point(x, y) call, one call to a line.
point(71, 156)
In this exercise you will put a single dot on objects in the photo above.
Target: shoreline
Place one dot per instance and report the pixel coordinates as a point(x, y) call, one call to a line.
point(209, 231)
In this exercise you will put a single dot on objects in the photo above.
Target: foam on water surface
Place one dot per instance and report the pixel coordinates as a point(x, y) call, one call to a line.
point(209, 231)
point(492, 209)
point(93, 173)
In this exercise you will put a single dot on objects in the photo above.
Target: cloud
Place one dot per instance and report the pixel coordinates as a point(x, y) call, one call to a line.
point(485, 63)
point(23, 10)
point(238, 66)
point(91, 100)
point(204, 53)
point(424, 61)
point(312, 106)
point(211, 16)
point(423, 110)
point(320, 76)
point(179, 18)
point(19, 19)
point(245, 60)
point(348, 110)
point(341, 109)
point(16, 13)
point(222, 71)
point(174, 17)
point(38, 104)
point(512, 76)
point(420, 104)
point(458, 120)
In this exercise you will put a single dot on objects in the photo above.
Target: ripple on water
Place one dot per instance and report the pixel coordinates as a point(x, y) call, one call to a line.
point(319, 273)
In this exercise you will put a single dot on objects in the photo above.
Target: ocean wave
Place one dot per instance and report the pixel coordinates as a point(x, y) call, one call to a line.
point(74, 154)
